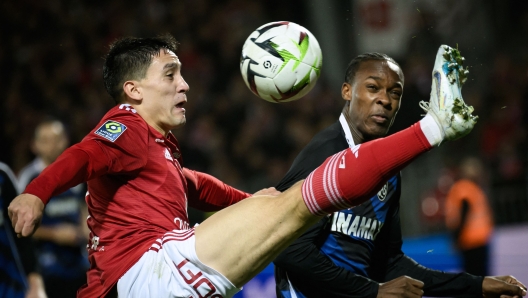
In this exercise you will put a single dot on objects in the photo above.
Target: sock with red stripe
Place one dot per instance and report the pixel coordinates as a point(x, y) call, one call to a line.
point(354, 175)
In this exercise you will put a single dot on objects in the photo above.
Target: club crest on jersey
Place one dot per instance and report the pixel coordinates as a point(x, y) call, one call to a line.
point(111, 130)
point(382, 194)
point(168, 155)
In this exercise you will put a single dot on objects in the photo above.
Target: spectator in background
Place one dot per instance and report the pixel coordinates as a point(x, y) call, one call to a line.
point(61, 239)
point(17, 255)
point(469, 218)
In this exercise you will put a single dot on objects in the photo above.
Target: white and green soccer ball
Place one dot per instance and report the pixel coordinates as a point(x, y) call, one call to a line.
point(281, 61)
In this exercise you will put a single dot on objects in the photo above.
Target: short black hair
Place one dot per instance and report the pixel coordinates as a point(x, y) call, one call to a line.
point(354, 64)
point(129, 58)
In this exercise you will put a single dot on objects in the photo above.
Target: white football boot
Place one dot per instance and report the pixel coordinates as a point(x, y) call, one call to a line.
point(446, 105)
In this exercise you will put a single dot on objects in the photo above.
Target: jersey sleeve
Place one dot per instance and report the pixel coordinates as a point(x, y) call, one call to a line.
point(436, 283)
point(96, 155)
point(207, 193)
point(124, 140)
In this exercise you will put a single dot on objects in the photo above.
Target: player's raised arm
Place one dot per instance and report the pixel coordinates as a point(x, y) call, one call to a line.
point(94, 156)
point(72, 167)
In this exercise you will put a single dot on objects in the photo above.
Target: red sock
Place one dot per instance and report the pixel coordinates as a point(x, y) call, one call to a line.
point(354, 175)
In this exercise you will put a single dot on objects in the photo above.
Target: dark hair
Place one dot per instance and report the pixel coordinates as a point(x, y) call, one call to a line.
point(129, 58)
point(353, 66)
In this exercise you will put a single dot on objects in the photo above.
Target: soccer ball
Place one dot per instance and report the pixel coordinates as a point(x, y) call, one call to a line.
point(281, 61)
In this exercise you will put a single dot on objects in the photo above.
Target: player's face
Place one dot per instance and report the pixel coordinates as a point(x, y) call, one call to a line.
point(163, 93)
point(374, 98)
point(50, 141)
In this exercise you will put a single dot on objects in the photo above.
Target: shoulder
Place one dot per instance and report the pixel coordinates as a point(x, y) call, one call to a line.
point(7, 175)
point(462, 189)
point(124, 113)
point(464, 184)
point(32, 169)
point(332, 132)
point(5, 170)
point(122, 120)
point(331, 137)
point(324, 144)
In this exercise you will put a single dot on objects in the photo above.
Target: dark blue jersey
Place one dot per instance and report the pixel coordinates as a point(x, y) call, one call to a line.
point(59, 261)
point(16, 254)
point(353, 232)
point(350, 252)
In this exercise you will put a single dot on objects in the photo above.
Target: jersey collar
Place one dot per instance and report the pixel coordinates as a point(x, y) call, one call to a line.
point(346, 129)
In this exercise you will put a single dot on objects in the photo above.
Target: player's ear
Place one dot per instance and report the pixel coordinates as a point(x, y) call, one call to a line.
point(132, 90)
point(346, 91)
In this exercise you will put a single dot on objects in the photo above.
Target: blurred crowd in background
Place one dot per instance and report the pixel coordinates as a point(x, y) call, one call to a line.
point(51, 58)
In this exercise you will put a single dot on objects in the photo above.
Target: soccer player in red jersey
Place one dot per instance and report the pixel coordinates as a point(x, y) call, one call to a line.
point(138, 190)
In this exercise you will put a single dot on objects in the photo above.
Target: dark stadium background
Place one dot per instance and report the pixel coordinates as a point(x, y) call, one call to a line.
point(50, 65)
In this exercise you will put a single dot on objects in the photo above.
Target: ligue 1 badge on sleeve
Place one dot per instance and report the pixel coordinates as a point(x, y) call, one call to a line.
point(111, 130)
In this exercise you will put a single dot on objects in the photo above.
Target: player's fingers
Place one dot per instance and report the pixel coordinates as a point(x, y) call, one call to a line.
point(28, 228)
point(516, 282)
point(415, 292)
point(18, 225)
point(10, 213)
point(413, 287)
point(13, 216)
point(417, 283)
point(512, 280)
point(514, 290)
point(270, 191)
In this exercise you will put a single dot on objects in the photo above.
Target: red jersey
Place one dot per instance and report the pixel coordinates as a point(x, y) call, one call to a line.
point(137, 191)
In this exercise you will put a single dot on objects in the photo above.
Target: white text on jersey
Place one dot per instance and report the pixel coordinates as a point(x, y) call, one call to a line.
point(359, 226)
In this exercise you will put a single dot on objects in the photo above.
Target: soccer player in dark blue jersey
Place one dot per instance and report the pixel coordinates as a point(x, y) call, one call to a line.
point(60, 241)
point(18, 274)
point(357, 252)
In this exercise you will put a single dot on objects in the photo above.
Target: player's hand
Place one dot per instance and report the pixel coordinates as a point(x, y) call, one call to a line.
point(36, 286)
point(25, 212)
point(503, 287)
point(402, 286)
point(270, 191)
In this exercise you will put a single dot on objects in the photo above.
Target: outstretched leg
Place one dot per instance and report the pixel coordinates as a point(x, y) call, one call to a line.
point(241, 240)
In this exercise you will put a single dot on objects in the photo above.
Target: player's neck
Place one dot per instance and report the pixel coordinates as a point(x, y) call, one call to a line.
point(359, 137)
